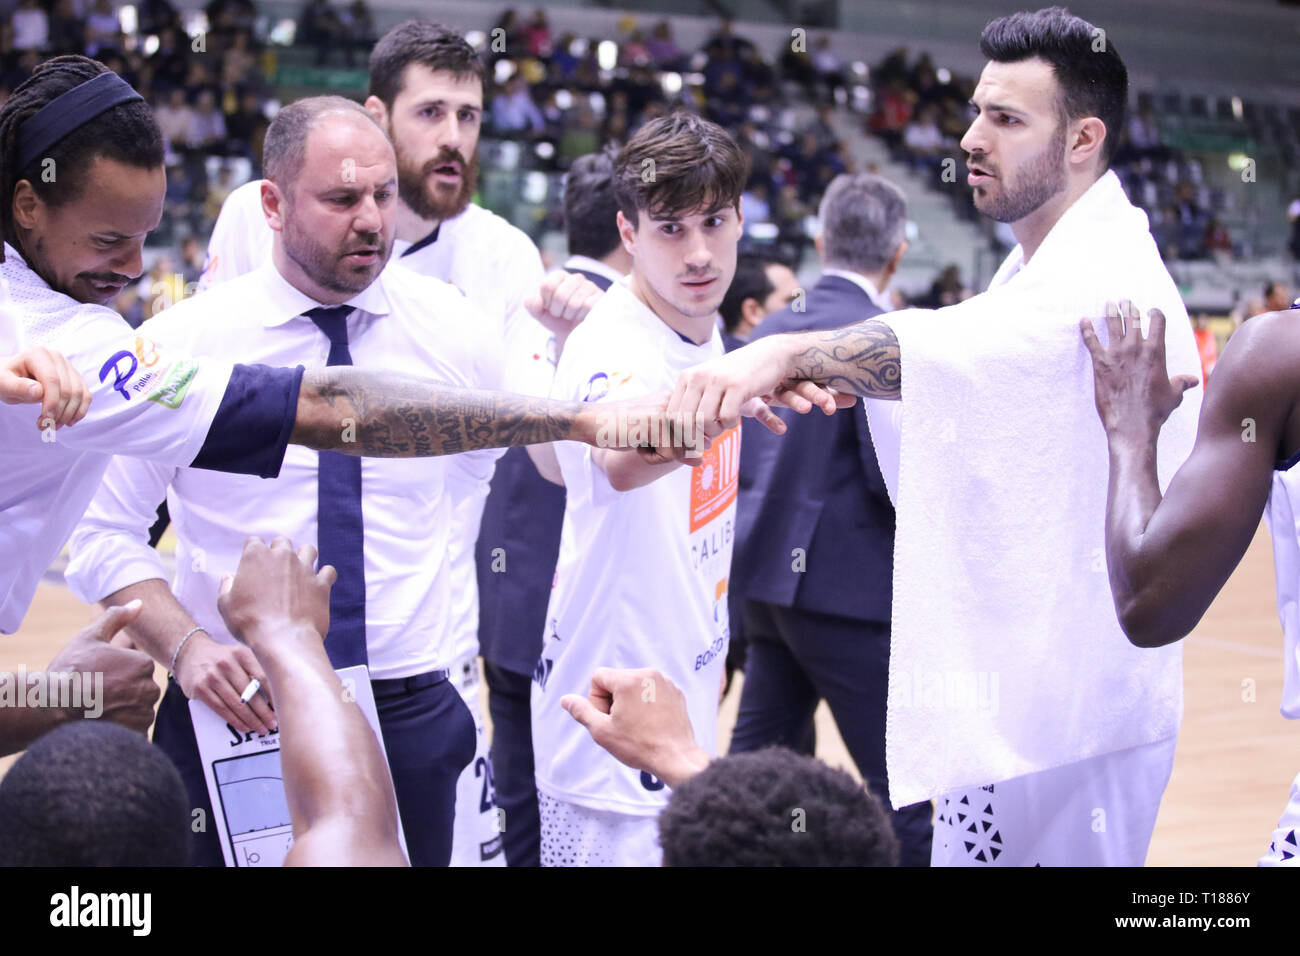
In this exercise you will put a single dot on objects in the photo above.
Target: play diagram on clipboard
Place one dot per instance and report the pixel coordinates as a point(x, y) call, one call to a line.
point(245, 782)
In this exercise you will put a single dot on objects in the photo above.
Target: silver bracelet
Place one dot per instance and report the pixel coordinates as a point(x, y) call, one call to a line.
point(177, 653)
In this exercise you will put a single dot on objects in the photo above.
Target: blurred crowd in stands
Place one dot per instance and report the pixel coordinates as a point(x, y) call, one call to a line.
point(210, 90)
point(568, 95)
point(211, 80)
point(921, 112)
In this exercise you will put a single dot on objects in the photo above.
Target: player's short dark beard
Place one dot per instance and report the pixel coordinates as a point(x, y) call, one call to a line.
point(430, 200)
point(1037, 182)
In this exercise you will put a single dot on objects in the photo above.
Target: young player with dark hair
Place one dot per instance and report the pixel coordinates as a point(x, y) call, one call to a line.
point(646, 548)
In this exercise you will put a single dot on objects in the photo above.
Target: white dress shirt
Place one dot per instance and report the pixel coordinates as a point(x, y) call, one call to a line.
point(402, 323)
point(497, 267)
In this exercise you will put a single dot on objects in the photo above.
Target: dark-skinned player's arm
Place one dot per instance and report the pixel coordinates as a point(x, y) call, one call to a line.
point(335, 779)
point(1168, 558)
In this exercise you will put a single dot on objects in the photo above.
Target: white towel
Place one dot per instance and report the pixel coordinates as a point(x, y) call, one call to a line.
point(1007, 657)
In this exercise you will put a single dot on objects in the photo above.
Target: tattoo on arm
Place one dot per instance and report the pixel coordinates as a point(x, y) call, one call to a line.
point(388, 415)
point(862, 359)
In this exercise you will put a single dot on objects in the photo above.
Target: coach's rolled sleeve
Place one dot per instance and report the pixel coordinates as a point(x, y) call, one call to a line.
point(109, 548)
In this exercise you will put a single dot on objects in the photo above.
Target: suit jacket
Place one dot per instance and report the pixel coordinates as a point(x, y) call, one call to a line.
point(817, 488)
point(524, 515)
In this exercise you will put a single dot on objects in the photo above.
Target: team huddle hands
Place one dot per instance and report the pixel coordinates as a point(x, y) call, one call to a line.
point(713, 397)
point(1133, 387)
point(40, 375)
point(563, 301)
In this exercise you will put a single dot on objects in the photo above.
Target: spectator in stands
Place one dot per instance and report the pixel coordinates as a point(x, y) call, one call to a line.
point(582, 135)
point(946, 289)
point(170, 60)
point(537, 35)
point(512, 31)
point(790, 216)
point(319, 26)
point(1216, 242)
point(892, 114)
point(359, 28)
point(67, 29)
point(1276, 297)
point(1144, 135)
point(893, 67)
point(725, 40)
point(174, 119)
point(827, 63)
point(925, 141)
point(513, 111)
point(103, 29)
point(191, 260)
point(246, 128)
point(762, 285)
point(823, 129)
point(154, 16)
point(1192, 219)
point(207, 125)
point(31, 27)
point(18, 69)
point(755, 207)
point(218, 191)
point(663, 49)
point(797, 67)
point(238, 63)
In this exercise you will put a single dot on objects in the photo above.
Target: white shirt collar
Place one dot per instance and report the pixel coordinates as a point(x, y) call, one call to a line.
point(866, 285)
point(284, 302)
point(587, 264)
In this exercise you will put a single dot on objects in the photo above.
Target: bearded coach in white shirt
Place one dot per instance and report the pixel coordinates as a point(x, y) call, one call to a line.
point(426, 90)
point(331, 202)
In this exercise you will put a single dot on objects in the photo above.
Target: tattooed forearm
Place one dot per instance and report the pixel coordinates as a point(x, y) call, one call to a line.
point(862, 359)
point(389, 415)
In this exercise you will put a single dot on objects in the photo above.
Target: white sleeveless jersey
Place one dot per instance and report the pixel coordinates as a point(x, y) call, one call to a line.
point(642, 575)
point(1283, 516)
point(497, 267)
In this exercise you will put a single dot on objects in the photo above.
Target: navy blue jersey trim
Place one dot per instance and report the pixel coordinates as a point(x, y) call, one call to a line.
point(1288, 464)
point(251, 430)
point(428, 240)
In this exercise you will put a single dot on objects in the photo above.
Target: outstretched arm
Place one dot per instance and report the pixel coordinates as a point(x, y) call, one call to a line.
point(386, 414)
point(800, 370)
point(335, 779)
point(1168, 558)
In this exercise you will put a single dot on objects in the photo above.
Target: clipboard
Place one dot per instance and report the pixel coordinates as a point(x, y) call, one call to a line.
point(246, 785)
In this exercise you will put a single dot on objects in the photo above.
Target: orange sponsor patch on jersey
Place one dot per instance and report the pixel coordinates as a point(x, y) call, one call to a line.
point(715, 482)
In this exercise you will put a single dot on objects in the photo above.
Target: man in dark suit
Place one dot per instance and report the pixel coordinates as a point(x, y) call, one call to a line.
point(519, 539)
point(762, 284)
point(815, 528)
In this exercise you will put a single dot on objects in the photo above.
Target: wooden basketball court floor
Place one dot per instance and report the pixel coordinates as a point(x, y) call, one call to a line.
point(1236, 754)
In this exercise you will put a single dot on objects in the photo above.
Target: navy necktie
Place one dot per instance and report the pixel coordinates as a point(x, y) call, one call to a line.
point(340, 531)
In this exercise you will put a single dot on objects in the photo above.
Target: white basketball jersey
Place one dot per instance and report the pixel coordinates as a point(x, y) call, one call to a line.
point(642, 574)
point(1283, 516)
